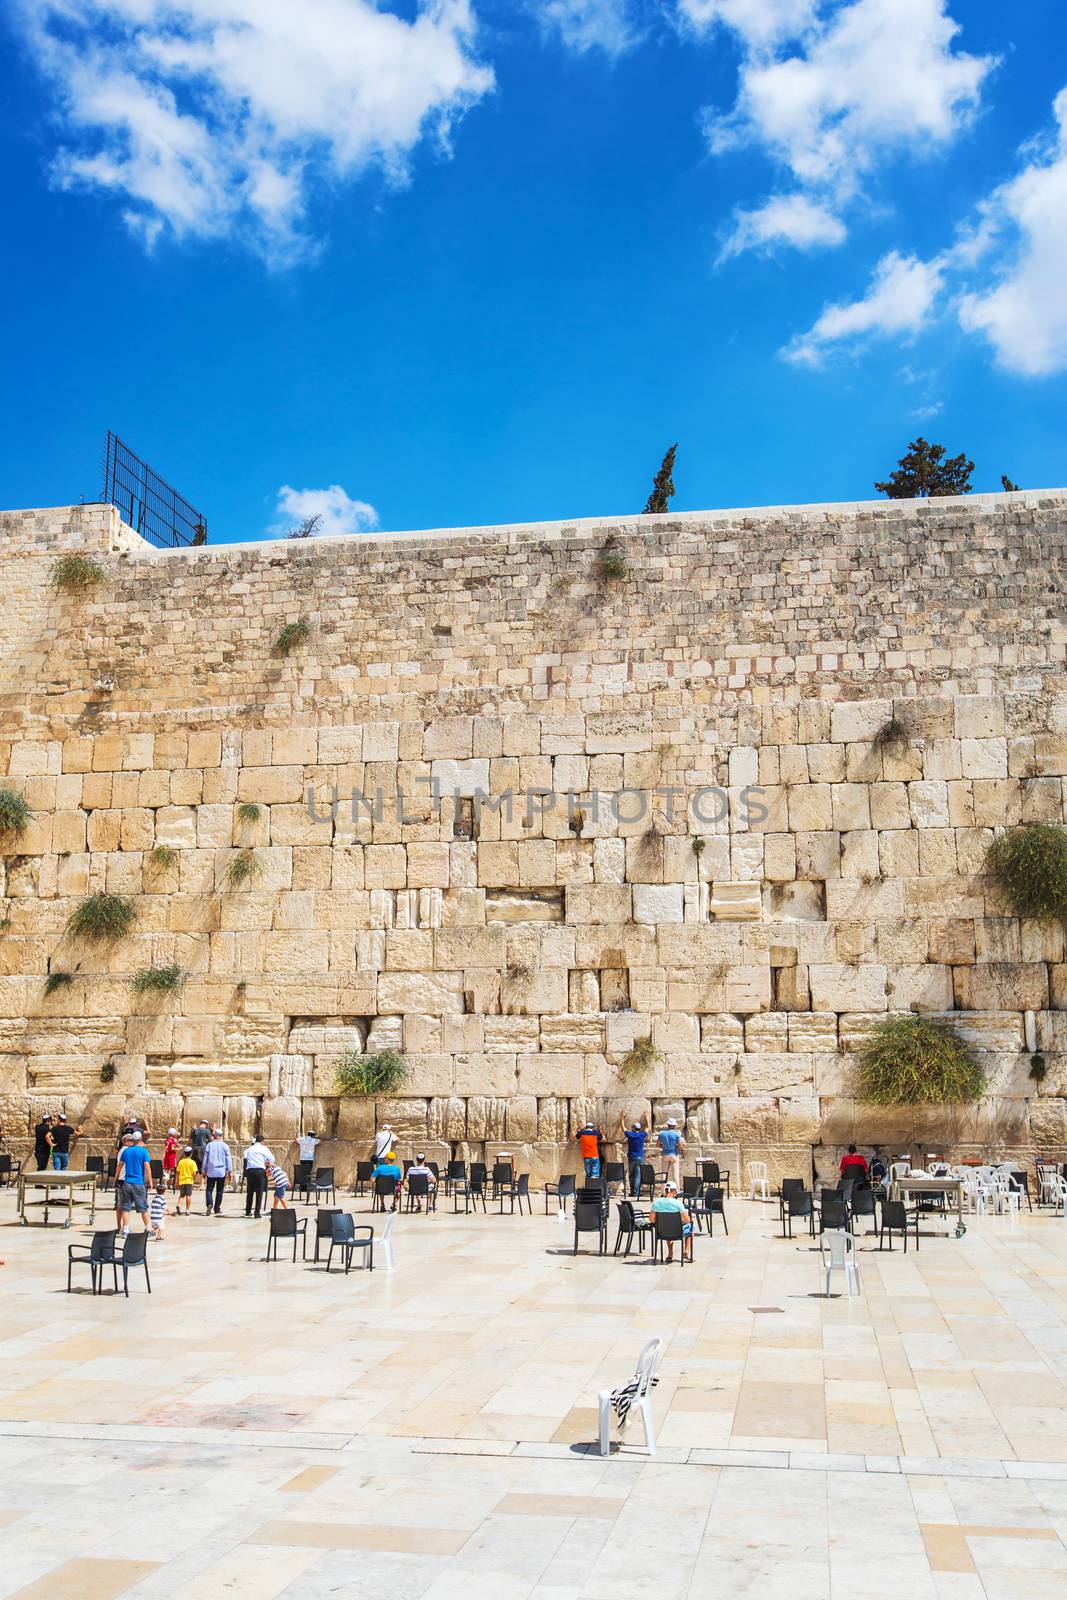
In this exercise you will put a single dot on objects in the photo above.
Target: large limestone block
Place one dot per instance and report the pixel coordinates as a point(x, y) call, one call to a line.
point(919, 988)
point(696, 1074)
point(550, 1074)
point(782, 1073)
point(493, 1074)
point(572, 1034)
point(446, 1118)
point(457, 948)
point(290, 1076)
point(240, 1118)
point(800, 1118)
point(436, 994)
point(553, 1119)
point(858, 719)
point(280, 1121)
point(520, 1119)
point(656, 902)
point(356, 1119)
point(597, 904)
point(747, 989)
point(722, 1034)
point(385, 1033)
point(735, 902)
point(406, 1116)
point(751, 1119)
point(766, 1031)
point(1002, 986)
point(532, 993)
point(621, 945)
point(695, 946)
point(486, 1117)
point(812, 1031)
point(845, 988)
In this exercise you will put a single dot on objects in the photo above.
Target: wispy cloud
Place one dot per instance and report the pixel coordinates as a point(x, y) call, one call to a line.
point(215, 118)
point(612, 26)
point(337, 511)
point(901, 296)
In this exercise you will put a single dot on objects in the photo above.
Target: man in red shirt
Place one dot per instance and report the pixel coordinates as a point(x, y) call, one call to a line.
point(853, 1165)
point(589, 1139)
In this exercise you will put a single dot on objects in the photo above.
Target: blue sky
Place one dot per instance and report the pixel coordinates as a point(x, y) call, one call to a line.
point(483, 260)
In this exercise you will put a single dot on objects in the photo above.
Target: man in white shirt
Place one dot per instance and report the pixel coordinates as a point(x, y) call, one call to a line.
point(307, 1146)
point(383, 1141)
point(257, 1156)
point(420, 1170)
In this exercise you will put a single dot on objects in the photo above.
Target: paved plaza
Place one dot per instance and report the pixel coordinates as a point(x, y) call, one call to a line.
point(270, 1430)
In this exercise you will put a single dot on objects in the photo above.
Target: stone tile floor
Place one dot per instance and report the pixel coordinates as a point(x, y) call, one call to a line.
point(271, 1430)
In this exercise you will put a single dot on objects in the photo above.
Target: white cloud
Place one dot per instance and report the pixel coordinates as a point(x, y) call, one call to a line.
point(901, 297)
point(829, 96)
point(338, 512)
point(784, 218)
point(215, 117)
point(1023, 312)
point(609, 25)
point(760, 23)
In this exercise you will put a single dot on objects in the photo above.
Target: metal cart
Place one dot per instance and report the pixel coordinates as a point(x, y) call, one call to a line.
point(60, 1189)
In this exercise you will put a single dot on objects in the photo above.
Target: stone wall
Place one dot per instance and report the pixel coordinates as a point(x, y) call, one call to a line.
point(890, 676)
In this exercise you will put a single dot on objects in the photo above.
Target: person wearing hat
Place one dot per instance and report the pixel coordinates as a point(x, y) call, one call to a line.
point(170, 1159)
point(669, 1201)
point(383, 1142)
point(672, 1149)
point(41, 1147)
point(636, 1138)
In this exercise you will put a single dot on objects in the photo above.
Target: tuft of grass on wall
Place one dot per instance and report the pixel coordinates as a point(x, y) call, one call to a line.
point(158, 980)
point(56, 981)
point(162, 857)
point(912, 1061)
point(75, 574)
point(640, 1058)
point(611, 563)
point(15, 812)
point(291, 636)
point(382, 1073)
point(102, 917)
point(248, 812)
point(1028, 866)
point(244, 868)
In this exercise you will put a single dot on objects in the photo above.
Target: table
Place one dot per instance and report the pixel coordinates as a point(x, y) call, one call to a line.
point(900, 1188)
point(56, 1182)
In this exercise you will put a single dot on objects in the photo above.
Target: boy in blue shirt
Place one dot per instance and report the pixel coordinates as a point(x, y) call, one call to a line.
point(131, 1182)
point(635, 1137)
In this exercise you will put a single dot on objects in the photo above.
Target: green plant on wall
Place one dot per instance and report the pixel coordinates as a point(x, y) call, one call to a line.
point(247, 813)
point(1028, 866)
point(912, 1061)
point(245, 868)
point(107, 1072)
point(162, 857)
point(640, 1058)
point(56, 981)
point(102, 917)
point(75, 574)
point(384, 1072)
point(158, 980)
point(292, 635)
point(611, 563)
point(15, 813)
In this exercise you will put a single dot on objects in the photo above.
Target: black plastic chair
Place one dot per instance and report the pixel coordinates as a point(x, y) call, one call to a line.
point(895, 1219)
point(830, 1194)
point(302, 1171)
point(287, 1225)
point(1023, 1181)
point(615, 1175)
point(711, 1172)
point(668, 1228)
point(863, 1205)
point(364, 1174)
point(434, 1168)
point(323, 1228)
point(789, 1186)
point(9, 1168)
point(648, 1180)
point(407, 1167)
point(833, 1213)
point(632, 1224)
point(589, 1217)
point(455, 1172)
point(92, 1164)
point(561, 1192)
point(470, 1189)
point(797, 1203)
point(323, 1183)
point(692, 1188)
point(134, 1254)
point(344, 1236)
point(503, 1174)
point(419, 1189)
point(384, 1189)
point(711, 1206)
point(518, 1189)
point(100, 1254)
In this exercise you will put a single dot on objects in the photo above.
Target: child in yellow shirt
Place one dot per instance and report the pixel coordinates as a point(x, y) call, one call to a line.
point(187, 1179)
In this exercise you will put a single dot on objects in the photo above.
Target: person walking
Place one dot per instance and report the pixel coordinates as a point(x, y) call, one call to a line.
point(60, 1139)
point(636, 1138)
point(41, 1147)
point(131, 1183)
point(257, 1160)
point(672, 1149)
point(217, 1166)
point(157, 1211)
point(188, 1177)
point(170, 1158)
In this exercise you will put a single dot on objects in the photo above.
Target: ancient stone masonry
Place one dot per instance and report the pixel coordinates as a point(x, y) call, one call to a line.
point(874, 688)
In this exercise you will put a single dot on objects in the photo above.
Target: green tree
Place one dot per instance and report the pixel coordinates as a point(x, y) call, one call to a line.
point(926, 470)
point(1007, 485)
point(662, 486)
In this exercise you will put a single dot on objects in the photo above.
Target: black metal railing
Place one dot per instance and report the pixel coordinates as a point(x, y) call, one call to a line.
point(146, 501)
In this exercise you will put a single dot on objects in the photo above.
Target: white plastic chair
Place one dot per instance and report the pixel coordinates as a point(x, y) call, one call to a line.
point(1059, 1196)
point(838, 1254)
point(899, 1169)
point(757, 1179)
point(384, 1241)
point(640, 1398)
